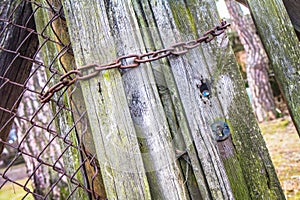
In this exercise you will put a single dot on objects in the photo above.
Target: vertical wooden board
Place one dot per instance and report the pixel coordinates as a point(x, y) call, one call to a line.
point(82, 128)
point(169, 19)
point(207, 65)
point(173, 108)
point(281, 44)
point(252, 154)
point(187, 73)
point(146, 109)
point(113, 130)
point(216, 63)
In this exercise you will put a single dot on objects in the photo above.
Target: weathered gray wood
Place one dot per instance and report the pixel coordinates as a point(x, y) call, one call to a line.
point(190, 164)
point(282, 47)
point(161, 17)
point(113, 130)
point(84, 132)
point(146, 109)
point(235, 168)
point(213, 63)
point(229, 102)
point(174, 24)
point(12, 67)
point(292, 7)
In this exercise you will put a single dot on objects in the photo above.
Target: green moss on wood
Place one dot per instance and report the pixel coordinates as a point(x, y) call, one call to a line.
point(234, 173)
point(183, 17)
point(283, 49)
point(255, 162)
point(64, 121)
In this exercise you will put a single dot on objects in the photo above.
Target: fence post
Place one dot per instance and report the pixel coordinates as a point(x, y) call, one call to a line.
point(108, 110)
point(281, 44)
point(53, 27)
point(135, 114)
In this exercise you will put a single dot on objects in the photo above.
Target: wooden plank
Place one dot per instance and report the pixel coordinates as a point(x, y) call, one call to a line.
point(235, 168)
point(228, 87)
point(173, 21)
point(281, 44)
point(172, 104)
point(112, 127)
point(146, 109)
point(179, 21)
point(76, 101)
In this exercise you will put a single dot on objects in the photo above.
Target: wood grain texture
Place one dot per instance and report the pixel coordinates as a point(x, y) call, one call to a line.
point(64, 121)
point(191, 19)
point(282, 47)
point(113, 129)
point(158, 106)
point(176, 23)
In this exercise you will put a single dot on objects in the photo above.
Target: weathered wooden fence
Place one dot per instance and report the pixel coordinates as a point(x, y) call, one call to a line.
point(121, 28)
point(282, 46)
point(178, 127)
point(285, 59)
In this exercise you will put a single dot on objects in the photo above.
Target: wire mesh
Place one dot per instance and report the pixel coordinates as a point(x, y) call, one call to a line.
point(43, 150)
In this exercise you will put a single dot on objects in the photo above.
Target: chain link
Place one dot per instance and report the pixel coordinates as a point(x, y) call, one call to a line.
point(91, 70)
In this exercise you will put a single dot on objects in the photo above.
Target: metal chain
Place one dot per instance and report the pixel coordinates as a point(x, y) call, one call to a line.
point(177, 49)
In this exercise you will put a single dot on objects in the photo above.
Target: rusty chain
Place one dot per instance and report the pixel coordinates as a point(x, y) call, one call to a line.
point(176, 49)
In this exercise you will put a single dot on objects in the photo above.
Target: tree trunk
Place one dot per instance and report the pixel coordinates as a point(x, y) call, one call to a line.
point(262, 99)
point(281, 44)
point(33, 141)
point(15, 44)
point(140, 117)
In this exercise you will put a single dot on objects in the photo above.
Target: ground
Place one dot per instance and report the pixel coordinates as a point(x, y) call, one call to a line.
point(282, 141)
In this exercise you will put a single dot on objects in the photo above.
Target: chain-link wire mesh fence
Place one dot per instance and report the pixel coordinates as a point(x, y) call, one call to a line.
point(42, 152)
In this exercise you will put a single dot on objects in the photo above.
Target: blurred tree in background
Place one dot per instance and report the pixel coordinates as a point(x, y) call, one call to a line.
point(262, 99)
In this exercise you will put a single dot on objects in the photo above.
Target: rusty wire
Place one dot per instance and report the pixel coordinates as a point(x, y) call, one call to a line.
point(37, 120)
point(39, 123)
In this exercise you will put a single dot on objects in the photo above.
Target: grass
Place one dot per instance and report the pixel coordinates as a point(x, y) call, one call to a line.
point(284, 147)
point(12, 191)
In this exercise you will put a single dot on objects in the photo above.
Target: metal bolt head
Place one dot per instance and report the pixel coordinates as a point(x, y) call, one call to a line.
point(221, 130)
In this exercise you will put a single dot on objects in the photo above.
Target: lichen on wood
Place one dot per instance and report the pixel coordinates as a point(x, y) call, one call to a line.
point(162, 99)
point(282, 46)
point(64, 120)
point(112, 127)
